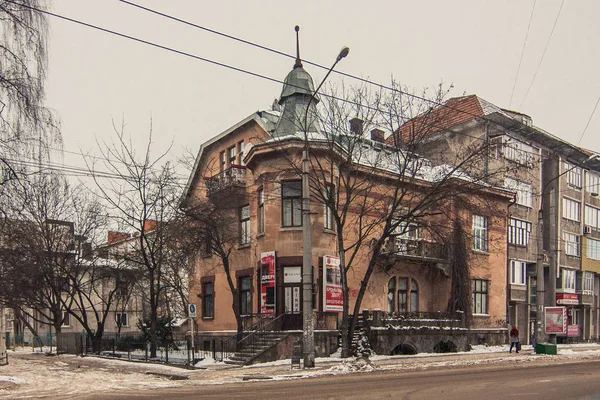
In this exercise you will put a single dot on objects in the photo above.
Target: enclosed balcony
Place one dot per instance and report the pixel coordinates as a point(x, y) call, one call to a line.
point(228, 181)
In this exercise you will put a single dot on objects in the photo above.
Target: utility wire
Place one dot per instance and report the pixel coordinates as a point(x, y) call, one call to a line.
point(443, 105)
point(543, 54)
point(522, 53)
point(379, 85)
point(589, 120)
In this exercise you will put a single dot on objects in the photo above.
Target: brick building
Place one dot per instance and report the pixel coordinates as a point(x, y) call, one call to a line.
point(253, 169)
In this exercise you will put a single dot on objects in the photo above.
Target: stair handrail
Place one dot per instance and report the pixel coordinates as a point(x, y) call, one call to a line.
point(262, 329)
point(235, 341)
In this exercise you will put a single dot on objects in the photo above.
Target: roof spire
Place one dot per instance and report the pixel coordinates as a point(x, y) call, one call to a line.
point(298, 63)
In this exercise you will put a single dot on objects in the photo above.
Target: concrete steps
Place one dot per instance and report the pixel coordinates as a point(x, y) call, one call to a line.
point(254, 347)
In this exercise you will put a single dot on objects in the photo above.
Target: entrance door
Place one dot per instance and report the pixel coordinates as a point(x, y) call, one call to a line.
point(292, 298)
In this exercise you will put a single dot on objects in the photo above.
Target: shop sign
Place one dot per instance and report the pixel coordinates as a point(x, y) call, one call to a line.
point(556, 320)
point(292, 275)
point(567, 298)
point(333, 294)
point(267, 283)
point(573, 330)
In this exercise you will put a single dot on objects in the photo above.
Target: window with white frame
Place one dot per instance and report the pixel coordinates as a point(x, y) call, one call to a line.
point(327, 213)
point(592, 217)
point(568, 280)
point(480, 233)
point(240, 152)
point(593, 183)
point(518, 151)
point(572, 244)
point(588, 282)
point(480, 296)
point(523, 191)
point(571, 209)
point(518, 271)
point(407, 230)
point(519, 232)
point(593, 249)
point(261, 211)
point(66, 319)
point(245, 225)
point(291, 203)
point(122, 320)
point(573, 175)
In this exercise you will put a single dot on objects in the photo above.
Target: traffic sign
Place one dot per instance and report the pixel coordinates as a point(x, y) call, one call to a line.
point(191, 310)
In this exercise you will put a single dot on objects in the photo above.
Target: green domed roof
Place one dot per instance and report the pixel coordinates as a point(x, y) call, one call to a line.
point(298, 81)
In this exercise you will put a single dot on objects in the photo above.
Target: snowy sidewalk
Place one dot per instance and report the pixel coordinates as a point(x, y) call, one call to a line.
point(31, 375)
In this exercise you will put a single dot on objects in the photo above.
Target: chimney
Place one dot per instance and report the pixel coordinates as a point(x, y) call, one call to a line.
point(150, 225)
point(377, 135)
point(114, 237)
point(356, 126)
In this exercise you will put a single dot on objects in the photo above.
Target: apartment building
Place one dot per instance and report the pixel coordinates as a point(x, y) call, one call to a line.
point(552, 180)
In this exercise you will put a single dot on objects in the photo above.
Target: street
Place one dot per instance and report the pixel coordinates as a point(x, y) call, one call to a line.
point(578, 380)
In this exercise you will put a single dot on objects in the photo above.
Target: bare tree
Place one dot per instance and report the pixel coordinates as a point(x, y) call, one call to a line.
point(143, 198)
point(27, 129)
point(212, 228)
point(374, 191)
point(41, 239)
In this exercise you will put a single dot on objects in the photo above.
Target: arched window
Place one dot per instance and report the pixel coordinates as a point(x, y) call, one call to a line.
point(402, 295)
point(391, 296)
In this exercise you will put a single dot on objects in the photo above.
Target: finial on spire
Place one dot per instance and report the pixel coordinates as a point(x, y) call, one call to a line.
point(298, 61)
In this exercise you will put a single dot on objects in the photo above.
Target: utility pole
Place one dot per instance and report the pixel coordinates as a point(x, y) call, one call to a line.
point(540, 336)
point(308, 329)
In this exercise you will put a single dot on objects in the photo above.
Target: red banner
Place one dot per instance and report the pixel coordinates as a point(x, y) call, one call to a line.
point(333, 295)
point(267, 283)
point(567, 298)
point(573, 330)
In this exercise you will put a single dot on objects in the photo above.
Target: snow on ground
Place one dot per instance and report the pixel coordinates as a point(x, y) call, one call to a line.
point(31, 375)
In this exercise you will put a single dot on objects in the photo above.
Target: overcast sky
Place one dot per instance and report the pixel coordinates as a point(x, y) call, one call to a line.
point(475, 45)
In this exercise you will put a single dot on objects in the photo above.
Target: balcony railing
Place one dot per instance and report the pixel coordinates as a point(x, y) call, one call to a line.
point(234, 176)
point(415, 248)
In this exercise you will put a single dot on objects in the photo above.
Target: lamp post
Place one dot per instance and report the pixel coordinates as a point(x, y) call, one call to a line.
point(540, 285)
point(308, 332)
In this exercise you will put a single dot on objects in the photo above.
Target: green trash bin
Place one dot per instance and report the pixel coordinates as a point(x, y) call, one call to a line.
point(545, 348)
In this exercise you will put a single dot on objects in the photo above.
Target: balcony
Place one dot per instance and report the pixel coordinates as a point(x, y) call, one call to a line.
point(416, 249)
point(230, 179)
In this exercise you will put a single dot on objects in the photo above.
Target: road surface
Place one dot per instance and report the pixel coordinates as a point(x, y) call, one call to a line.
point(577, 380)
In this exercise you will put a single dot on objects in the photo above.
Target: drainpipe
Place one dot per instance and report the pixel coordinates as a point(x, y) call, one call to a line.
point(507, 287)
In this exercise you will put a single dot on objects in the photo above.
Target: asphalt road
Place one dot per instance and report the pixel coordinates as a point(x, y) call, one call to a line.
point(579, 380)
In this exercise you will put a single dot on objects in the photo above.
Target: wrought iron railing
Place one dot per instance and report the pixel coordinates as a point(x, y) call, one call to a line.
point(232, 176)
point(402, 246)
point(255, 336)
point(414, 319)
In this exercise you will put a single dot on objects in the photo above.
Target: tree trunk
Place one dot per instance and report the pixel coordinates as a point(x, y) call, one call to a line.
point(363, 287)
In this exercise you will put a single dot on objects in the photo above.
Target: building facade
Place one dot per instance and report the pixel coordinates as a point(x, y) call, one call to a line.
point(252, 168)
point(554, 182)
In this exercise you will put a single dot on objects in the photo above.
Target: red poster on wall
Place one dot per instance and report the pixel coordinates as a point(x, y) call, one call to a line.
point(556, 320)
point(267, 283)
point(333, 295)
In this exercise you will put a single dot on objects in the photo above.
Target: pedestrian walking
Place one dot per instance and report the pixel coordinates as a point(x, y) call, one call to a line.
point(514, 339)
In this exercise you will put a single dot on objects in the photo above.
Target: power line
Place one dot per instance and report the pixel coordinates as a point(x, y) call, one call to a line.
point(543, 54)
point(433, 102)
point(382, 86)
point(522, 53)
point(589, 120)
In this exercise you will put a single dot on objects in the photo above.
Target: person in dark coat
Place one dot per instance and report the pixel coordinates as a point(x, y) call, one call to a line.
point(514, 339)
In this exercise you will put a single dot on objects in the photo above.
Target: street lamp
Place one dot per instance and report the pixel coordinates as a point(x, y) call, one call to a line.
point(308, 331)
point(540, 285)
